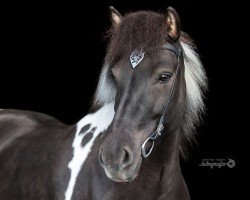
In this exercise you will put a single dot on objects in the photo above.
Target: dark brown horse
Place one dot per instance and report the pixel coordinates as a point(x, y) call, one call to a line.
point(148, 101)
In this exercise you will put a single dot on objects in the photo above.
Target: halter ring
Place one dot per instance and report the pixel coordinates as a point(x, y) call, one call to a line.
point(145, 153)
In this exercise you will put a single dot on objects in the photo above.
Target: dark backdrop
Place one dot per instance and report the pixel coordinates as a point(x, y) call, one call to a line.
point(51, 55)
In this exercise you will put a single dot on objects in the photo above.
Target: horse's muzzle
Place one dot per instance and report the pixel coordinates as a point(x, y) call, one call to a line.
point(119, 167)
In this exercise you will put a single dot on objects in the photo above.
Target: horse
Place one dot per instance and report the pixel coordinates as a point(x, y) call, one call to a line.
point(148, 101)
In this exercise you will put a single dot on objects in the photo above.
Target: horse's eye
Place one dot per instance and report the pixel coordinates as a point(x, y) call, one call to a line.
point(165, 77)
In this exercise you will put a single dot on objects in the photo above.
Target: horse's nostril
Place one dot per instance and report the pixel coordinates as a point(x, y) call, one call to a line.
point(120, 160)
point(126, 158)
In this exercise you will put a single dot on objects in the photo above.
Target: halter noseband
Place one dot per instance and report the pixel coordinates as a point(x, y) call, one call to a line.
point(145, 153)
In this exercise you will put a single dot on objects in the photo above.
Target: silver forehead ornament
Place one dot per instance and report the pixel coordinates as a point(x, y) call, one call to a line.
point(136, 57)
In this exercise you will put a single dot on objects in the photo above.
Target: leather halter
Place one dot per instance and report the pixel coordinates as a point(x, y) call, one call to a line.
point(145, 153)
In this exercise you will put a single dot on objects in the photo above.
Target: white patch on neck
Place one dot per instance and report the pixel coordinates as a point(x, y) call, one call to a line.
point(101, 120)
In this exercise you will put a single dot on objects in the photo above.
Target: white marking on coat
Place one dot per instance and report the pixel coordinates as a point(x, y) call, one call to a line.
point(101, 120)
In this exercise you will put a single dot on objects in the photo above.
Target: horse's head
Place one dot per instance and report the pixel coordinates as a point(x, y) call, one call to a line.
point(141, 85)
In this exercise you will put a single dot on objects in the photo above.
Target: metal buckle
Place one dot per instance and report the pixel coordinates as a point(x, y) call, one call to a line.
point(159, 131)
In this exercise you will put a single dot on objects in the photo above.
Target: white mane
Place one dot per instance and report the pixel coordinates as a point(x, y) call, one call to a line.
point(196, 84)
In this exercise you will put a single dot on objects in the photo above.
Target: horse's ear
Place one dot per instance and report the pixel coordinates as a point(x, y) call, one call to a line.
point(173, 23)
point(115, 16)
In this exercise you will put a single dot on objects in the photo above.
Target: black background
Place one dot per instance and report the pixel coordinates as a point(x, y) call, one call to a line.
point(52, 53)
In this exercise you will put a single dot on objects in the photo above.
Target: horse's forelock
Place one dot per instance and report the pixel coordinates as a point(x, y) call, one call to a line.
point(138, 30)
point(106, 88)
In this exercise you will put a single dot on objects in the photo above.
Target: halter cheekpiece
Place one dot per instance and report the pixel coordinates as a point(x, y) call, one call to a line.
point(152, 138)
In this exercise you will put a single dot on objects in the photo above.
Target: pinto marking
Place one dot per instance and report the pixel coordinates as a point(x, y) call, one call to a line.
point(99, 122)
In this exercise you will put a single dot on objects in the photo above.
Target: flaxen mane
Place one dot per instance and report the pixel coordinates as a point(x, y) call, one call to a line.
point(146, 30)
